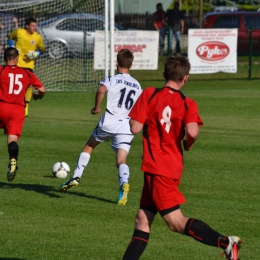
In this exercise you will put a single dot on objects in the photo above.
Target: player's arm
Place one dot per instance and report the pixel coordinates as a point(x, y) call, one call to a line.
point(41, 46)
point(39, 89)
point(139, 112)
point(135, 126)
point(39, 93)
point(192, 133)
point(10, 43)
point(98, 99)
point(11, 39)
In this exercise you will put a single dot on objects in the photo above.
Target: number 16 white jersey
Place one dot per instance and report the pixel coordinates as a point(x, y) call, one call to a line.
point(122, 92)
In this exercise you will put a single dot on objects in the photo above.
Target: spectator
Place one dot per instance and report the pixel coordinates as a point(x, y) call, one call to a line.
point(175, 21)
point(159, 25)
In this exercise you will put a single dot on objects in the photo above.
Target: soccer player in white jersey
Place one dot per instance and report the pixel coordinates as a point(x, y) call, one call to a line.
point(122, 92)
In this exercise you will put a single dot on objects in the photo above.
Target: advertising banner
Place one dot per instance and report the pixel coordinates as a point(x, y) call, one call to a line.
point(212, 50)
point(143, 44)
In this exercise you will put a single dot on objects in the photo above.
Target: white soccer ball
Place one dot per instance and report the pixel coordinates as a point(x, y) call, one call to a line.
point(61, 170)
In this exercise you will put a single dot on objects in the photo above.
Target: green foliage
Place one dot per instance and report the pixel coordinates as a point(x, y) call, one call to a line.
point(220, 181)
point(249, 7)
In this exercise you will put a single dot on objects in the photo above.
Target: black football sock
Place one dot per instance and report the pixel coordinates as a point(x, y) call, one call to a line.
point(13, 150)
point(137, 245)
point(205, 234)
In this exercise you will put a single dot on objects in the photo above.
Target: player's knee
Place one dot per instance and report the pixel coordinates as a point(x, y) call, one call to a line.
point(176, 226)
point(119, 163)
point(122, 163)
point(141, 223)
point(173, 227)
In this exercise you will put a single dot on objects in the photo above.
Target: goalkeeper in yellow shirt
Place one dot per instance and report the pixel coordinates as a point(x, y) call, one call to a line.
point(30, 45)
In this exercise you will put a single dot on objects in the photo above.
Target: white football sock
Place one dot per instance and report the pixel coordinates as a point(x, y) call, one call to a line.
point(123, 174)
point(81, 164)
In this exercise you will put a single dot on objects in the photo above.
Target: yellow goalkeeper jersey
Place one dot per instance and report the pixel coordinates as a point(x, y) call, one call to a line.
point(24, 43)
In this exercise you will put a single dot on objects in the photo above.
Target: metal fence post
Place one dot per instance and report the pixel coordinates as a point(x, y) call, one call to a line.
point(85, 56)
point(250, 54)
point(168, 42)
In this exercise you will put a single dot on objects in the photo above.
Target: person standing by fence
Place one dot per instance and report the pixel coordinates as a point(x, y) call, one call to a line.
point(159, 25)
point(175, 22)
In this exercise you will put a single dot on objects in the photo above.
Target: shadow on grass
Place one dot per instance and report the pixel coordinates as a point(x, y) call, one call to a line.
point(42, 189)
point(49, 191)
point(81, 194)
point(11, 258)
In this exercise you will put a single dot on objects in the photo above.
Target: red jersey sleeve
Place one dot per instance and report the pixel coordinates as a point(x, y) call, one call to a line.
point(35, 81)
point(192, 115)
point(140, 109)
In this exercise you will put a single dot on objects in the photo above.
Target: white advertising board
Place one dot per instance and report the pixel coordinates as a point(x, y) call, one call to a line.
point(143, 44)
point(212, 50)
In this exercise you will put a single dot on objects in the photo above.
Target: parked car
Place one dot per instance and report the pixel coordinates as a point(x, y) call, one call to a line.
point(71, 33)
point(242, 21)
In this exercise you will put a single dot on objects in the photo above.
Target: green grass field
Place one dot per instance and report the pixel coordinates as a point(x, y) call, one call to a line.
point(220, 181)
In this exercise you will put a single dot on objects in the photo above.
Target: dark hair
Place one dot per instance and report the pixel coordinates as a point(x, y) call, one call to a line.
point(176, 68)
point(10, 53)
point(30, 20)
point(125, 58)
point(159, 4)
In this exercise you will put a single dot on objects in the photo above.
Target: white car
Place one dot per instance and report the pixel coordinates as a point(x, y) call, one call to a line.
point(70, 34)
point(225, 9)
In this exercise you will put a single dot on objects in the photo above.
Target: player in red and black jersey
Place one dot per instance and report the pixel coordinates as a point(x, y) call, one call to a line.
point(167, 119)
point(14, 82)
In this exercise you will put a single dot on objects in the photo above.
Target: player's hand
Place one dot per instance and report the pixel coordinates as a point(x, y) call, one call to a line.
point(37, 94)
point(33, 54)
point(10, 43)
point(95, 111)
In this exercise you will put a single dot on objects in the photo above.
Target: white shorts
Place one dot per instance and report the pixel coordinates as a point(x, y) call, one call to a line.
point(118, 140)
